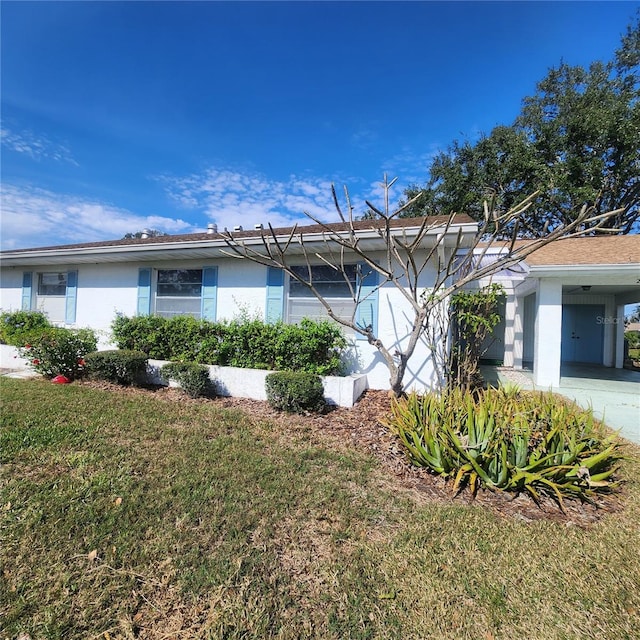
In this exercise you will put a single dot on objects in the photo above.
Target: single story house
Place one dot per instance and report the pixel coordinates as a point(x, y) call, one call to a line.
point(564, 303)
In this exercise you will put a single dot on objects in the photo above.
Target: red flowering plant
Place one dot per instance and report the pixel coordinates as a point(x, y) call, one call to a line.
point(58, 351)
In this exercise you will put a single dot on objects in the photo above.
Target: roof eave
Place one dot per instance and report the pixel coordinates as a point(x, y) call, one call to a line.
point(213, 247)
point(559, 270)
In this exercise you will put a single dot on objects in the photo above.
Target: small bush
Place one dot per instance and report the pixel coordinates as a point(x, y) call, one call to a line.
point(120, 366)
point(56, 351)
point(193, 378)
point(16, 327)
point(295, 391)
point(504, 439)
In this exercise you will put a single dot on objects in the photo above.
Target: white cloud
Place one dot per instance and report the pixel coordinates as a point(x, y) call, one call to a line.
point(37, 147)
point(35, 217)
point(230, 198)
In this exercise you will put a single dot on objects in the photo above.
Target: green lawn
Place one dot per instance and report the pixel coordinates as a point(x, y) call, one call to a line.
point(132, 516)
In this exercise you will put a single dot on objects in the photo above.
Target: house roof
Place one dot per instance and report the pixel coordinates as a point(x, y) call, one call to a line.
point(358, 225)
point(590, 250)
point(206, 246)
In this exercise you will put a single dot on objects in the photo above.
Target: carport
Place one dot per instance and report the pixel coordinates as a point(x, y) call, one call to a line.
point(569, 308)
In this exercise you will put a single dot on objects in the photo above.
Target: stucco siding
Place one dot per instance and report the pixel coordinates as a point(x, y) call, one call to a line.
point(11, 289)
point(105, 290)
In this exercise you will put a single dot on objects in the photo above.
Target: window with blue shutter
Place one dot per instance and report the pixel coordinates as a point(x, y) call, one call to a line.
point(144, 292)
point(209, 292)
point(367, 310)
point(275, 294)
point(71, 295)
point(27, 283)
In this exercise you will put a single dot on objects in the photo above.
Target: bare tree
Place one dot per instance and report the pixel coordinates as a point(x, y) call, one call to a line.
point(408, 251)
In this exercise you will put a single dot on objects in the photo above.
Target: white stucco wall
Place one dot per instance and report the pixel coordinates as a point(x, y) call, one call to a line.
point(110, 288)
point(10, 289)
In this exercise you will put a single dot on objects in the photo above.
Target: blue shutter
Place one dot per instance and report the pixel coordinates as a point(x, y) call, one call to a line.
point(275, 294)
point(144, 292)
point(209, 292)
point(367, 310)
point(70, 303)
point(27, 280)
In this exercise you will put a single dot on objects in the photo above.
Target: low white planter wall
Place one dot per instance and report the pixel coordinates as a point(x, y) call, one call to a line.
point(10, 358)
point(249, 383)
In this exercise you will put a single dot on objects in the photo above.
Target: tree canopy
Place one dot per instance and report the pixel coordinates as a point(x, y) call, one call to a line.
point(576, 141)
point(150, 233)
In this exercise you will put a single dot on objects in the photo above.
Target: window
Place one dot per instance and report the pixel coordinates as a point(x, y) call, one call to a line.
point(53, 293)
point(292, 300)
point(331, 284)
point(179, 293)
point(52, 284)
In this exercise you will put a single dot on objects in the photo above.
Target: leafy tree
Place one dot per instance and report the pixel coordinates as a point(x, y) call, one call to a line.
point(576, 141)
point(151, 233)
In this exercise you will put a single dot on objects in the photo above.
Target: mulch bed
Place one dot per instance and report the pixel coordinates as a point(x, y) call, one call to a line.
point(360, 428)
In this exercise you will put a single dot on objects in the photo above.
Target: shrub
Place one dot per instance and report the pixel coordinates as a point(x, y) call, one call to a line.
point(16, 327)
point(295, 391)
point(57, 351)
point(504, 439)
point(474, 315)
point(142, 333)
point(633, 338)
point(193, 378)
point(311, 346)
point(184, 337)
point(120, 366)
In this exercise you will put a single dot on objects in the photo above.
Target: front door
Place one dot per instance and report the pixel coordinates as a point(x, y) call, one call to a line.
point(582, 333)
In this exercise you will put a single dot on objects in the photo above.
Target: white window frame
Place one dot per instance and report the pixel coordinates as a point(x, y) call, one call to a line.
point(53, 305)
point(157, 297)
point(333, 301)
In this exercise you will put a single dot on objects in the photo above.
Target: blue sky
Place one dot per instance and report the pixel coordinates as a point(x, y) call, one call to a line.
point(119, 116)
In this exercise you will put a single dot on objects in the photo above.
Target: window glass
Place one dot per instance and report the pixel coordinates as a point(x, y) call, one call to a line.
point(52, 284)
point(330, 283)
point(179, 292)
point(180, 283)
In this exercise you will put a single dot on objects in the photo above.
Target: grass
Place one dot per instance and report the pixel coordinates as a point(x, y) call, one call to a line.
point(130, 516)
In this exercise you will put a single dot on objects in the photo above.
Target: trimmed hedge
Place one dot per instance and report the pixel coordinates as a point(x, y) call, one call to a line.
point(311, 346)
point(120, 366)
point(193, 378)
point(295, 392)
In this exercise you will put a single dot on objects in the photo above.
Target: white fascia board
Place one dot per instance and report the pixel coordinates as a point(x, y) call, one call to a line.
point(217, 247)
point(564, 270)
point(72, 253)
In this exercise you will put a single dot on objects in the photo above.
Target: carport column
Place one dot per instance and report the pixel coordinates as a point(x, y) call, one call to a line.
point(548, 334)
point(610, 332)
point(518, 331)
point(509, 313)
point(619, 337)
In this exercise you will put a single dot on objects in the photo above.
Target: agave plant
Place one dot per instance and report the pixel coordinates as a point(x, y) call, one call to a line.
point(506, 439)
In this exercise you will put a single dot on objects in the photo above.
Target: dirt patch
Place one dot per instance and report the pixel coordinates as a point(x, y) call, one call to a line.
point(360, 428)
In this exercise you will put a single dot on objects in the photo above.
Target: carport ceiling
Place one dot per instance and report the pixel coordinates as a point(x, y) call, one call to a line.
point(601, 289)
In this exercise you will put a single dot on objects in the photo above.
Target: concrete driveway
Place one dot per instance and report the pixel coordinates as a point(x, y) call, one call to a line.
point(614, 394)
